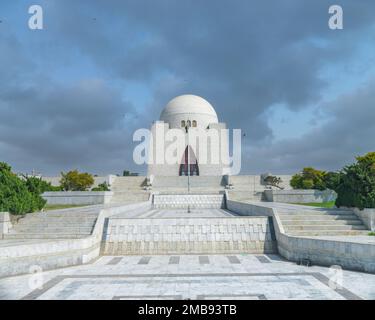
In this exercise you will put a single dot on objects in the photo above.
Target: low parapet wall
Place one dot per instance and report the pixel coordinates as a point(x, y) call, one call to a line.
point(55, 181)
point(353, 255)
point(78, 197)
point(300, 196)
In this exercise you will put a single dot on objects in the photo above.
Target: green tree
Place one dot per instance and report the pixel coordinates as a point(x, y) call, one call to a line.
point(76, 181)
point(356, 186)
point(38, 185)
point(309, 178)
point(332, 180)
point(15, 195)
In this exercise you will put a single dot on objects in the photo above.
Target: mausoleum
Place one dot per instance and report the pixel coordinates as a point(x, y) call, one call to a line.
point(202, 147)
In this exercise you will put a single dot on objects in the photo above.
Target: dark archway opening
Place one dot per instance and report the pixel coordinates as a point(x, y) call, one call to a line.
point(189, 160)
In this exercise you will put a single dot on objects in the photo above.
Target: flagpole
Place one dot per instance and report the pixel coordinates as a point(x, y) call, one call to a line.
point(188, 162)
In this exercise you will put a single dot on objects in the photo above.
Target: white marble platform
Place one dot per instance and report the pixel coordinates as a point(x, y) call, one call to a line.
point(242, 276)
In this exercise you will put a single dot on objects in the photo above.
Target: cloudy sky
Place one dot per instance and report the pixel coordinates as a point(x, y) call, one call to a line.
point(72, 95)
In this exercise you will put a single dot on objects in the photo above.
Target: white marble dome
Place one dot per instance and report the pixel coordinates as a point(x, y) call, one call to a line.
point(180, 110)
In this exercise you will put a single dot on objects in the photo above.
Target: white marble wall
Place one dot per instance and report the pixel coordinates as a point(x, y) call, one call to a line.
point(188, 235)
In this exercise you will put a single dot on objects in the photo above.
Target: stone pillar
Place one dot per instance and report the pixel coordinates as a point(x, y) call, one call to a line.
point(5, 223)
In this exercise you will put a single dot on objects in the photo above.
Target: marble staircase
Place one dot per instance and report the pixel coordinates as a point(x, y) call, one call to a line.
point(320, 222)
point(57, 224)
point(129, 190)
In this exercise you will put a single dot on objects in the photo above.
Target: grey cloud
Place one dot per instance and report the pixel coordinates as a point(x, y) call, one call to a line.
point(243, 56)
point(349, 133)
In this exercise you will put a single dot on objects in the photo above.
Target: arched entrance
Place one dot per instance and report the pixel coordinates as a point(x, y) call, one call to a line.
point(189, 160)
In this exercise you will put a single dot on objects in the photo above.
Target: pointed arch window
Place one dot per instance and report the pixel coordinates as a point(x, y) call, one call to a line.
point(194, 123)
point(183, 124)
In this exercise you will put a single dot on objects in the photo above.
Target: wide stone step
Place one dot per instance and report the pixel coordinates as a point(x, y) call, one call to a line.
point(49, 223)
point(318, 216)
point(62, 218)
point(62, 215)
point(329, 233)
point(301, 217)
point(50, 229)
point(12, 236)
point(314, 212)
point(49, 226)
point(324, 227)
point(321, 222)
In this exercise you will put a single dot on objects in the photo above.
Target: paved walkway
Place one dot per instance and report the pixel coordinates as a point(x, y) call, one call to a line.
point(242, 276)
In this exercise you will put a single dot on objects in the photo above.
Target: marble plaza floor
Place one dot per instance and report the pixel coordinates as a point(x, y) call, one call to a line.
point(241, 276)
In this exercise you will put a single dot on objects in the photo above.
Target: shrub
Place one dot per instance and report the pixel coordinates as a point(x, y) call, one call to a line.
point(309, 178)
point(126, 173)
point(55, 188)
point(356, 184)
point(307, 184)
point(101, 187)
point(16, 195)
point(76, 181)
point(37, 185)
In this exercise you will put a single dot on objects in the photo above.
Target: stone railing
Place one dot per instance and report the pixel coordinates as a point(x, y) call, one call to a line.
point(300, 196)
point(78, 197)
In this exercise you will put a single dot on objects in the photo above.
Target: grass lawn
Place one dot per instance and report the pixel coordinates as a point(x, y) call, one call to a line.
point(371, 234)
point(330, 204)
point(50, 207)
